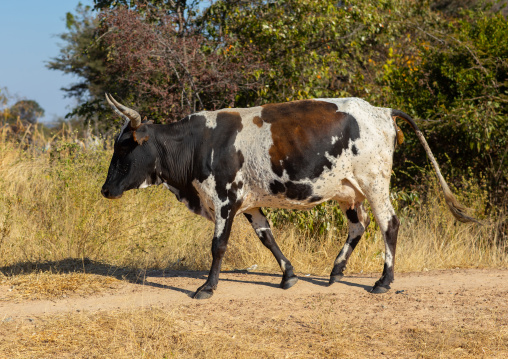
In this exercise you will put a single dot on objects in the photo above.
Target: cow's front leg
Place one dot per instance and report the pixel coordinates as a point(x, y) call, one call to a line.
point(219, 246)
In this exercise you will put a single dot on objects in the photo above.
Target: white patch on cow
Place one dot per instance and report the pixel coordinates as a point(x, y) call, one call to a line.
point(144, 184)
point(334, 139)
point(210, 199)
point(210, 116)
point(260, 230)
point(220, 223)
point(388, 257)
point(356, 229)
point(343, 254)
point(283, 265)
point(211, 158)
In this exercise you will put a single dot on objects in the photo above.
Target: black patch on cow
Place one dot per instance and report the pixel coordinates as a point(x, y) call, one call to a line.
point(355, 241)
point(302, 133)
point(140, 135)
point(354, 150)
point(277, 187)
point(315, 199)
point(224, 212)
point(298, 191)
point(391, 242)
point(131, 164)
point(249, 217)
point(391, 233)
point(226, 160)
point(190, 195)
point(352, 215)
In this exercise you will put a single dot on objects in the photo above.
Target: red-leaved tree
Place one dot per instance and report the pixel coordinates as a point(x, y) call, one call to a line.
point(167, 70)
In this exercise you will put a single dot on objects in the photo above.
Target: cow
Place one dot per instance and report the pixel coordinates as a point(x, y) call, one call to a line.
point(292, 155)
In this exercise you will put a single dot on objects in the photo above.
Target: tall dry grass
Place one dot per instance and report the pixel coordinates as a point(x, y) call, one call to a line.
point(51, 209)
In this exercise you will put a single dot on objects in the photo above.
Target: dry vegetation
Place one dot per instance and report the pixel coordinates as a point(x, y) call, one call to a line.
point(59, 236)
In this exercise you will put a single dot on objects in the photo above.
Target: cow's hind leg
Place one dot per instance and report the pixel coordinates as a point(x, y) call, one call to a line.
point(358, 220)
point(260, 224)
point(389, 225)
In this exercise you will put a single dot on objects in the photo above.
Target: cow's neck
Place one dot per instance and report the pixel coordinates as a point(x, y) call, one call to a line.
point(175, 147)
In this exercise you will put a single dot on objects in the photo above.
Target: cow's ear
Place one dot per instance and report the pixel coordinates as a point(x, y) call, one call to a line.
point(140, 135)
point(147, 122)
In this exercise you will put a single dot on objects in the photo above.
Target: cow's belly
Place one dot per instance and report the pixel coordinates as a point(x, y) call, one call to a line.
point(302, 195)
point(342, 189)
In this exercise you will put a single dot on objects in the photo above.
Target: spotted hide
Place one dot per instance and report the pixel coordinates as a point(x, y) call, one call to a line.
point(291, 155)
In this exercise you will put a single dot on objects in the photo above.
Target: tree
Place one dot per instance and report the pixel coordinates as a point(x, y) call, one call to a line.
point(167, 71)
point(457, 79)
point(152, 55)
point(26, 110)
point(81, 57)
point(4, 99)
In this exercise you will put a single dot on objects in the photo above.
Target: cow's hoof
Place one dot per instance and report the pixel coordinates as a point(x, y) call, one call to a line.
point(288, 283)
point(335, 278)
point(379, 289)
point(203, 294)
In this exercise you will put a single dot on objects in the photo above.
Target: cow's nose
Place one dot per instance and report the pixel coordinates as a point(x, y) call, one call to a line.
point(105, 192)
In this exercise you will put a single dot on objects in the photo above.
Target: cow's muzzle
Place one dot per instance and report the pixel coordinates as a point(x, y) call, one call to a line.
point(108, 194)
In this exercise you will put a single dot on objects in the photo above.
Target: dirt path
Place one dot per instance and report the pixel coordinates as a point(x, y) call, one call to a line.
point(460, 303)
point(455, 287)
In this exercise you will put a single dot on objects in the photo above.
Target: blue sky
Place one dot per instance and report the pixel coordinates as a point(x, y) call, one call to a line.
point(28, 35)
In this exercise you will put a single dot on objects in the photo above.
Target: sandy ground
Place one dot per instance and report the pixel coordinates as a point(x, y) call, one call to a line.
point(434, 293)
point(433, 302)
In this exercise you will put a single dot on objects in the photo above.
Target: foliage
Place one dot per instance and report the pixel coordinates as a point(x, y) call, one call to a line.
point(169, 73)
point(152, 57)
point(52, 211)
point(81, 57)
point(4, 97)
point(26, 110)
point(313, 48)
point(316, 222)
point(457, 78)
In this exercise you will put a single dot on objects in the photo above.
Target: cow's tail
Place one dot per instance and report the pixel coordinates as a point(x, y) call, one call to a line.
point(457, 209)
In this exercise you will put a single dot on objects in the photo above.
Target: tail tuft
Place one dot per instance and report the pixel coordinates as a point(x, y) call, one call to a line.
point(457, 209)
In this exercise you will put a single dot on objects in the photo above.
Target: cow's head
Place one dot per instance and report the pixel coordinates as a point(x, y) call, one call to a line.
point(134, 158)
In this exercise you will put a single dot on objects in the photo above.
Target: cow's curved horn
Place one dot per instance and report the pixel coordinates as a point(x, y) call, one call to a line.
point(124, 111)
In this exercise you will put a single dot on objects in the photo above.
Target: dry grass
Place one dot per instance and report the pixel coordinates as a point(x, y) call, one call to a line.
point(315, 329)
point(44, 285)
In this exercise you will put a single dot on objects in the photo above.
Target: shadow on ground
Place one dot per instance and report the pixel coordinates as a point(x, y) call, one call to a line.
point(141, 276)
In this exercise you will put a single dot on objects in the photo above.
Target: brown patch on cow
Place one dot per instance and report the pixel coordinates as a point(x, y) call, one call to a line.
point(302, 132)
point(229, 116)
point(138, 139)
point(257, 121)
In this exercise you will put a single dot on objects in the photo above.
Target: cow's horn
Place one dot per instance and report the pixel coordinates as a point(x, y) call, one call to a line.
point(122, 110)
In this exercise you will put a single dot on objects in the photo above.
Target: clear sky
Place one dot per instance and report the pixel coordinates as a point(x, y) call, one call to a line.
point(28, 38)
